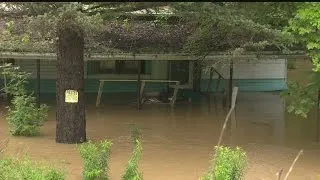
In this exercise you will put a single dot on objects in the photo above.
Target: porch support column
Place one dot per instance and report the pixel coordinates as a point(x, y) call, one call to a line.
point(38, 82)
point(139, 84)
point(230, 82)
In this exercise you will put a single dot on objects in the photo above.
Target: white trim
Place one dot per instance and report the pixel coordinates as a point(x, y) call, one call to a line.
point(131, 57)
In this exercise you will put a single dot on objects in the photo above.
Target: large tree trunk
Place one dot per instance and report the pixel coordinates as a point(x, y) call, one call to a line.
point(71, 122)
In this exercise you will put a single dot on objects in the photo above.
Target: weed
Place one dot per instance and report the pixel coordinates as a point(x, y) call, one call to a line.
point(131, 172)
point(25, 169)
point(96, 159)
point(230, 164)
point(25, 119)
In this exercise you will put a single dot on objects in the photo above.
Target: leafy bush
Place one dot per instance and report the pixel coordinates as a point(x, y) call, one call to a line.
point(14, 169)
point(131, 172)
point(96, 159)
point(25, 119)
point(300, 99)
point(230, 164)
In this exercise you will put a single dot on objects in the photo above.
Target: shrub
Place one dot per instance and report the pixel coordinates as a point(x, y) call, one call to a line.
point(131, 171)
point(24, 118)
point(25, 169)
point(230, 164)
point(96, 159)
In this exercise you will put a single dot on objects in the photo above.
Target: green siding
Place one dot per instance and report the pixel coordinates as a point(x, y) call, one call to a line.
point(92, 67)
point(92, 85)
point(148, 67)
point(248, 84)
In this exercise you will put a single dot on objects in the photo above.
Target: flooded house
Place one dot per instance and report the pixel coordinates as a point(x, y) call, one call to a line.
point(158, 56)
point(249, 73)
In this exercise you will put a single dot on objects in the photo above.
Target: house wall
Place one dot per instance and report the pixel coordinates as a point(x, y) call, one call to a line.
point(261, 75)
point(48, 75)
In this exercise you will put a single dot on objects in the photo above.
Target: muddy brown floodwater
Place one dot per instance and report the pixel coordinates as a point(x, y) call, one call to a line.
point(178, 143)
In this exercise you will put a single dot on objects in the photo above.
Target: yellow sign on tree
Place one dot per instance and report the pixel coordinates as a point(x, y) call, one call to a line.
point(71, 96)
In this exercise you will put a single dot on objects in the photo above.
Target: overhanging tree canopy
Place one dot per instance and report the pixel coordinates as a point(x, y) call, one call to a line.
point(198, 28)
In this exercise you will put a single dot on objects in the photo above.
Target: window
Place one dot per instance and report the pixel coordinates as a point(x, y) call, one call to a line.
point(117, 67)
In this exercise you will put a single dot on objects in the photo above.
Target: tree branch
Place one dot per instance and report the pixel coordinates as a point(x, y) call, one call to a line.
point(293, 163)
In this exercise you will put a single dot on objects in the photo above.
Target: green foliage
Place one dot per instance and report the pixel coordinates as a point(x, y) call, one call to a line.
point(96, 159)
point(211, 26)
point(230, 164)
point(132, 172)
point(25, 119)
point(37, 33)
point(305, 27)
point(300, 100)
point(25, 169)
point(16, 80)
point(275, 14)
point(226, 28)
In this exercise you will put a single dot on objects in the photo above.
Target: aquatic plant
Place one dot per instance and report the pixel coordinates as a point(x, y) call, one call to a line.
point(230, 164)
point(96, 159)
point(25, 119)
point(25, 169)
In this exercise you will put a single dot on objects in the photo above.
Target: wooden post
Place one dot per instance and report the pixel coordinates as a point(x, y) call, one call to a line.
point(218, 84)
point(99, 93)
point(318, 118)
point(38, 83)
point(234, 93)
point(139, 85)
point(210, 81)
point(230, 83)
point(175, 93)
point(143, 83)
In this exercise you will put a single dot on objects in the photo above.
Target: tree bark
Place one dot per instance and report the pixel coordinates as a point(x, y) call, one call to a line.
point(70, 117)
